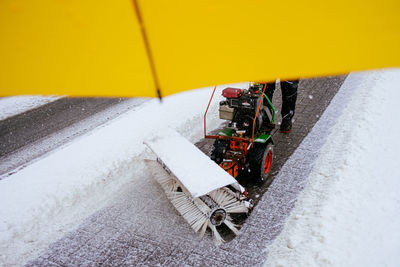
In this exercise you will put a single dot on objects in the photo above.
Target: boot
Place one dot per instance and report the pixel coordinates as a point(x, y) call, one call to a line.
point(286, 126)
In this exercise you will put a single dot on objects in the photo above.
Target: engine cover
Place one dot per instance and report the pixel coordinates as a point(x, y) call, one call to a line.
point(240, 107)
point(232, 92)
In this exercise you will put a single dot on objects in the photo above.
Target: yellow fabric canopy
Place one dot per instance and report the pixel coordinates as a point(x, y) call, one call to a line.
point(98, 48)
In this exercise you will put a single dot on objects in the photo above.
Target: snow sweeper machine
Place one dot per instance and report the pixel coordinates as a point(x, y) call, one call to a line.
point(205, 191)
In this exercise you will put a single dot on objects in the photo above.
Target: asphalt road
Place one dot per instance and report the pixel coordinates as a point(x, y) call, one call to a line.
point(28, 136)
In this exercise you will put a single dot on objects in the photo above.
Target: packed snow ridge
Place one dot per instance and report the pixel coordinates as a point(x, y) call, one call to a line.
point(349, 211)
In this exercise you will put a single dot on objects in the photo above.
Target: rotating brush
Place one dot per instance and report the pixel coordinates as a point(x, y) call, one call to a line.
point(207, 211)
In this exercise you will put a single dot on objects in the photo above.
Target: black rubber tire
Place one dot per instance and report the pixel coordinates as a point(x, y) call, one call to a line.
point(218, 151)
point(257, 158)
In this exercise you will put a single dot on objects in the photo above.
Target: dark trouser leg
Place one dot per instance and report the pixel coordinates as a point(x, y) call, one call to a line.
point(269, 91)
point(289, 96)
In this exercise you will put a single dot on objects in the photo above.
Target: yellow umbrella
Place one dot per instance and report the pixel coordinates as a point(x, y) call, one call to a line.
point(99, 48)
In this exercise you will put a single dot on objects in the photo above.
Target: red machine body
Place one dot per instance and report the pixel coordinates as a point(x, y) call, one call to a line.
point(232, 92)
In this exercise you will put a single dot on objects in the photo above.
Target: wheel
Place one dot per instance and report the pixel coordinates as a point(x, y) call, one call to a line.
point(219, 148)
point(260, 161)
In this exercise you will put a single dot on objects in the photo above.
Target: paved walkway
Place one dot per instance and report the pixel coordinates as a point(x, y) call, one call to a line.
point(135, 232)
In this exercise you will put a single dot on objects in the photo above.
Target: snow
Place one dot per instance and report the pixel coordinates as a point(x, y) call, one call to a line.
point(347, 215)
point(349, 211)
point(13, 105)
point(195, 170)
point(43, 201)
point(36, 150)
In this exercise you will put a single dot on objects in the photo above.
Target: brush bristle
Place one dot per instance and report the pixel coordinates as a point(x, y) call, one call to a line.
point(196, 212)
point(228, 201)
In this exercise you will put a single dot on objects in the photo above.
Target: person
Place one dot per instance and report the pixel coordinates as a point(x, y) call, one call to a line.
point(289, 97)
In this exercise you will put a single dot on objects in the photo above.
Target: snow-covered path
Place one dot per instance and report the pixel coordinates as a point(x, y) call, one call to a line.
point(28, 136)
point(45, 199)
point(10, 106)
point(349, 211)
point(139, 225)
point(132, 231)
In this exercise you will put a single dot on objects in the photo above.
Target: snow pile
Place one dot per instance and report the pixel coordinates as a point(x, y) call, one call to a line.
point(40, 200)
point(349, 211)
point(195, 170)
point(10, 106)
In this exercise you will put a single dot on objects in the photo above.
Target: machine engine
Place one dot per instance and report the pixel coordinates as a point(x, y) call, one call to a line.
point(240, 107)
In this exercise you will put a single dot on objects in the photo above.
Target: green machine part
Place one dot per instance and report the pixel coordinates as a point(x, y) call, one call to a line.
point(271, 106)
point(262, 138)
point(226, 132)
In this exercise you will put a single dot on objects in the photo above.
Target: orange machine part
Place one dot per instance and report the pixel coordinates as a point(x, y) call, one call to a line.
point(239, 146)
point(230, 167)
